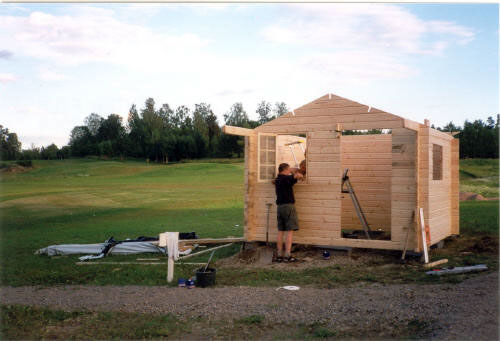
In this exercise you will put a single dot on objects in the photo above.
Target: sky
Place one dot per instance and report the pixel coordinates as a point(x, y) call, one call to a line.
point(61, 62)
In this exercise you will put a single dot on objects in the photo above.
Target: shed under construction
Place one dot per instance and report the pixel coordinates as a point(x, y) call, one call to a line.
point(403, 167)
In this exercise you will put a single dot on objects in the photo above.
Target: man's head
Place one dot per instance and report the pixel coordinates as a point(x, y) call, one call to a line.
point(284, 168)
point(302, 167)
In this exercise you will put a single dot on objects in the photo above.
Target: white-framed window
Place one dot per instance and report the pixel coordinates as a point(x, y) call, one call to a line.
point(267, 157)
point(437, 162)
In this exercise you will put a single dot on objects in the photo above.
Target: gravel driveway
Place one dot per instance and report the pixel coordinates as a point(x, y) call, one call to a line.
point(464, 311)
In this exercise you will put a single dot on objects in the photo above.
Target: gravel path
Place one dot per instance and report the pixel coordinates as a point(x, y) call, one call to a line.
point(464, 311)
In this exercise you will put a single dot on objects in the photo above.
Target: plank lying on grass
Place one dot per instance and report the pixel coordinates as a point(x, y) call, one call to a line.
point(204, 251)
point(134, 263)
point(207, 241)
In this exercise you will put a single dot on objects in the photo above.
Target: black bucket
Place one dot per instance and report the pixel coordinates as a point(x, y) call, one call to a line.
point(205, 278)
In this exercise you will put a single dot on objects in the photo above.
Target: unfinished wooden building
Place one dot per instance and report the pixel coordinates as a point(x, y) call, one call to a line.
point(407, 166)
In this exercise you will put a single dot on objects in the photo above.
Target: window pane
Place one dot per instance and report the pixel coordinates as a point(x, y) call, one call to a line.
point(263, 157)
point(271, 142)
point(437, 162)
point(263, 144)
point(271, 157)
point(263, 172)
point(270, 172)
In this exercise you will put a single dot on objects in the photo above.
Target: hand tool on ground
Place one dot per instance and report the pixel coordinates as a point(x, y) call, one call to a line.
point(408, 235)
point(209, 259)
point(266, 254)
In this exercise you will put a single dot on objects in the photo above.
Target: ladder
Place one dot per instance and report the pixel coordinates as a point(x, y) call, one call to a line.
point(355, 202)
point(290, 145)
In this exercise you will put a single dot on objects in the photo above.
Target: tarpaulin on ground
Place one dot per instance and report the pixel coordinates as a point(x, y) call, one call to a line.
point(119, 249)
point(111, 246)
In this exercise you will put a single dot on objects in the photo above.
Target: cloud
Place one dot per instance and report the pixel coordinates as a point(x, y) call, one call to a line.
point(35, 124)
point(47, 74)
point(232, 92)
point(5, 54)
point(357, 66)
point(7, 77)
point(362, 42)
point(371, 26)
point(94, 35)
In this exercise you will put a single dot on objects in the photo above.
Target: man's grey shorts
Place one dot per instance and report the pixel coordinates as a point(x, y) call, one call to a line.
point(287, 218)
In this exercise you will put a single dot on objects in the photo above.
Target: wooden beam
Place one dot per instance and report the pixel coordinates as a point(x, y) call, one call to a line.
point(409, 124)
point(207, 241)
point(438, 262)
point(230, 130)
point(133, 263)
point(203, 252)
point(120, 263)
point(211, 240)
point(424, 238)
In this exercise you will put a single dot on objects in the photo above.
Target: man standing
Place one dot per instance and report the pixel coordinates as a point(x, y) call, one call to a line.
point(287, 216)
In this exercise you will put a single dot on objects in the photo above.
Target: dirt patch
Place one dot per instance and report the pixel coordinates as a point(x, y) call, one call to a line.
point(14, 169)
point(308, 257)
point(484, 244)
point(470, 196)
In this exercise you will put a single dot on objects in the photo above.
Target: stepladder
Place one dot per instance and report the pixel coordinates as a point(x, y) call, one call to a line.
point(348, 188)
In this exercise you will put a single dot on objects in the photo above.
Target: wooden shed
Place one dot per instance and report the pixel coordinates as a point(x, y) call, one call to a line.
point(408, 166)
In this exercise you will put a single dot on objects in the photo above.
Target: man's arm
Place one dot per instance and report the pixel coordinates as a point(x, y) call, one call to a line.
point(295, 177)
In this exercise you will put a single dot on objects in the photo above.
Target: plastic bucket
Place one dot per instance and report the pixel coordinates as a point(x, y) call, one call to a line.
point(205, 278)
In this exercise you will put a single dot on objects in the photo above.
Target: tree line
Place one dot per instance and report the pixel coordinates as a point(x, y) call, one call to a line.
point(156, 133)
point(163, 134)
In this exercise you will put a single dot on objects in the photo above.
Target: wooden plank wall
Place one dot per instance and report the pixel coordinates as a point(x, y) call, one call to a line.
point(434, 196)
point(284, 154)
point(324, 114)
point(317, 201)
point(440, 193)
point(404, 187)
point(251, 183)
point(369, 160)
point(454, 197)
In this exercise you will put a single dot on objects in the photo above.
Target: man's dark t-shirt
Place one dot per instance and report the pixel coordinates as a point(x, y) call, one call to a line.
point(284, 191)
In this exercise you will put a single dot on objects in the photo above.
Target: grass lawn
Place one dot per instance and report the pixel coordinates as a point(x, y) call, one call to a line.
point(88, 201)
point(479, 176)
point(27, 323)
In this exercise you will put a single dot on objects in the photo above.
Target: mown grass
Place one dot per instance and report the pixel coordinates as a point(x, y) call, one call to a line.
point(479, 176)
point(87, 201)
point(31, 323)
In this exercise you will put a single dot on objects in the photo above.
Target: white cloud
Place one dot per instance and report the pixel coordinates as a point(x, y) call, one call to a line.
point(362, 42)
point(7, 77)
point(347, 26)
point(36, 124)
point(358, 66)
point(94, 35)
point(46, 74)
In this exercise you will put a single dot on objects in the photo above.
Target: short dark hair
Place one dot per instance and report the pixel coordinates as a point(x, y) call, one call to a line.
point(282, 167)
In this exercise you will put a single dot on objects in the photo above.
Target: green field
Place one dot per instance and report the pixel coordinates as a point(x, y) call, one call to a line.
point(479, 176)
point(88, 201)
